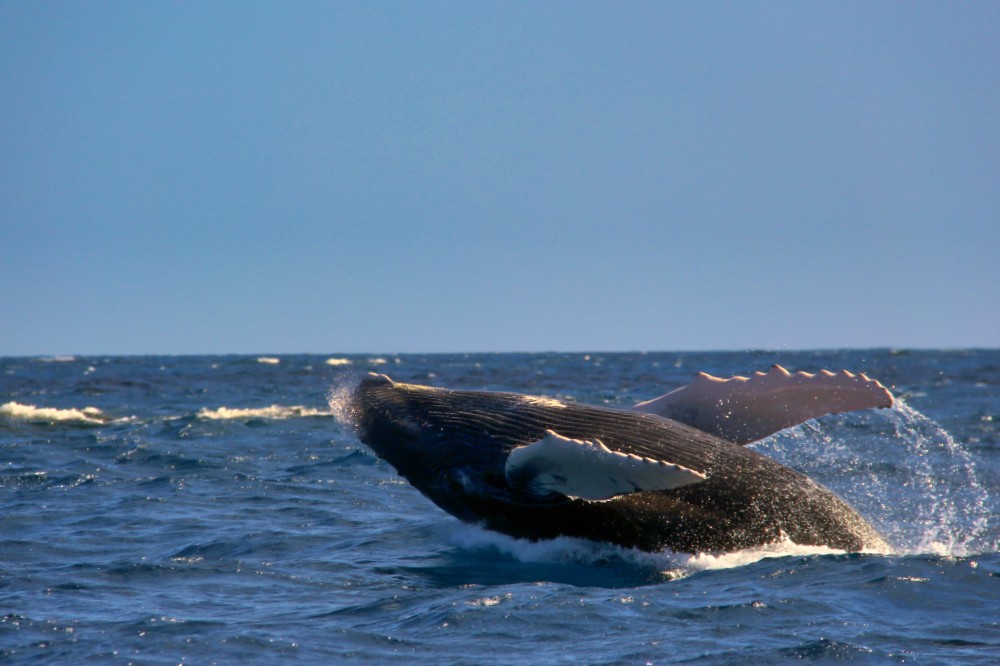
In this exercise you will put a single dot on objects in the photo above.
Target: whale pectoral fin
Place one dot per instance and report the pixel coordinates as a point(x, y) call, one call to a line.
point(590, 470)
point(746, 409)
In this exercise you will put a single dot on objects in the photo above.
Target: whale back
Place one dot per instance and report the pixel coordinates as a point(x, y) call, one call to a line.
point(452, 445)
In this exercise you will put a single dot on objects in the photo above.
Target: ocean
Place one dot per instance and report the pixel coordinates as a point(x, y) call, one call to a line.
point(215, 510)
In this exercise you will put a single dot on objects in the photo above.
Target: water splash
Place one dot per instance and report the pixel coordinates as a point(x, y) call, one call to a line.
point(338, 396)
point(571, 550)
point(901, 470)
point(952, 507)
point(34, 414)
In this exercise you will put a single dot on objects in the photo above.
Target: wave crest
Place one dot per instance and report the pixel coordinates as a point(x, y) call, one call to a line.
point(271, 412)
point(17, 411)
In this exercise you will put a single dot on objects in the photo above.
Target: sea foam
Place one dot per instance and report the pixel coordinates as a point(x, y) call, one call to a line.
point(32, 413)
point(582, 551)
point(271, 412)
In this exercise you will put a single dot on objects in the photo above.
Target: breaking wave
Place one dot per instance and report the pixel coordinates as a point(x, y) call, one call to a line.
point(31, 413)
point(271, 412)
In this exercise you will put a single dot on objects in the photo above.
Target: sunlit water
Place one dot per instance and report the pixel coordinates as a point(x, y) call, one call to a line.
point(218, 510)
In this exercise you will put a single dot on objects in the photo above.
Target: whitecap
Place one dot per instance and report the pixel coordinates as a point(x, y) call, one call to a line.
point(276, 412)
point(338, 361)
point(32, 413)
point(269, 360)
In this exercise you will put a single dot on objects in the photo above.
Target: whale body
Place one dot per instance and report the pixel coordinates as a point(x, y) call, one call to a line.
point(538, 468)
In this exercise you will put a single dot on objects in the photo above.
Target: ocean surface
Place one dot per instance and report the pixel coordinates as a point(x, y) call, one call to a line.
point(214, 510)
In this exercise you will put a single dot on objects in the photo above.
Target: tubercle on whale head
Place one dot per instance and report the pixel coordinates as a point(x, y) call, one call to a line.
point(393, 420)
point(380, 418)
point(371, 402)
point(377, 379)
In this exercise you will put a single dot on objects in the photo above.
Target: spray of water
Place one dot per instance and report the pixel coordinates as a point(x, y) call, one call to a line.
point(952, 506)
point(338, 396)
point(902, 471)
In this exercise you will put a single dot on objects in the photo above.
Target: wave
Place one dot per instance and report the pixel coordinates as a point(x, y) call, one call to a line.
point(18, 412)
point(271, 412)
point(269, 360)
point(338, 361)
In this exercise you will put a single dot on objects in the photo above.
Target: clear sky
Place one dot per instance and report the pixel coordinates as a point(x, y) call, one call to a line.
point(245, 177)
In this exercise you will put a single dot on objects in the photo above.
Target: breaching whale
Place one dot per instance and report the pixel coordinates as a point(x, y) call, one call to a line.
point(671, 473)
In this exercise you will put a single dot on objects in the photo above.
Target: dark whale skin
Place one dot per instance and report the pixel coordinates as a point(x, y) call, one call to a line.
point(452, 446)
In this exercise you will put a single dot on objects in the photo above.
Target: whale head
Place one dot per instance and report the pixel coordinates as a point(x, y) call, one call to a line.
point(434, 438)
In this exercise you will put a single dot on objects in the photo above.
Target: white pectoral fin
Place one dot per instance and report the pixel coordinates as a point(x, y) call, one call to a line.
point(590, 470)
point(746, 409)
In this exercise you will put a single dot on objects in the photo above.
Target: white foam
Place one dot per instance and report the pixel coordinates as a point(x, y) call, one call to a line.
point(582, 551)
point(269, 360)
point(739, 558)
point(17, 411)
point(271, 412)
point(338, 361)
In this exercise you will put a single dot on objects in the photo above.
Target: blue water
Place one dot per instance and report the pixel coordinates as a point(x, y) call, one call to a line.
point(165, 510)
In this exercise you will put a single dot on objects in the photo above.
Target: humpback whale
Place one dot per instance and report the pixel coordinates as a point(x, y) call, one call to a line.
point(671, 473)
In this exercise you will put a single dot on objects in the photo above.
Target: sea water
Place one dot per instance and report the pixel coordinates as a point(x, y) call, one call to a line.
point(215, 509)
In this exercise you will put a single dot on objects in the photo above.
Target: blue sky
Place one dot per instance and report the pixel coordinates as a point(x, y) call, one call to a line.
point(245, 177)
